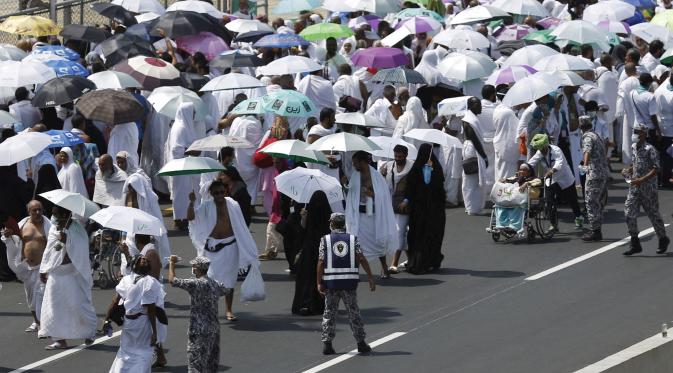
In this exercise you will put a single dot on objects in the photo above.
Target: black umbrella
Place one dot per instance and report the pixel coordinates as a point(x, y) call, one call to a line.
point(184, 23)
point(431, 95)
point(110, 106)
point(122, 47)
point(235, 58)
point(193, 82)
point(86, 33)
point(59, 91)
point(252, 36)
point(116, 13)
point(142, 30)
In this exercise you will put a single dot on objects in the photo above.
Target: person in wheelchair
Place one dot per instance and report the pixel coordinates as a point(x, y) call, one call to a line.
point(511, 219)
point(525, 178)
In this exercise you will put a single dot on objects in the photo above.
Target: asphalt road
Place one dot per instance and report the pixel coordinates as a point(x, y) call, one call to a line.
point(478, 314)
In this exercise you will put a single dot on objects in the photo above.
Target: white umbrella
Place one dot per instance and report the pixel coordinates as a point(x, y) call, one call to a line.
point(8, 52)
point(289, 65)
point(300, 184)
point(23, 146)
point(359, 119)
point(147, 17)
point(452, 106)
point(217, 142)
point(141, 6)
point(343, 142)
point(434, 136)
point(242, 26)
point(561, 78)
point(412, 23)
point(197, 6)
point(129, 220)
point(509, 74)
point(465, 66)
point(114, 80)
point(582, 32)
point(337, 6)
point(75, 202)
point(650, 32)
point(18, 74)
point(615, 27)
point(522, 7)
point(7, 118)
point(232, 81)
point(387, 145)
point(529, 55)
point(461, 39)
point(395, 37)
point(528, 90)
point(563, 62)
point(295, 150)
point(477, 14)
point(610, 10)
point(381, 7)
point(190, 166)
point(167, 101)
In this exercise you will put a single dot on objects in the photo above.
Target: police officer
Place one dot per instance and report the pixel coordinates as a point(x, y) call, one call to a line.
point(338, 277)
point(595, 167)
point(643, 191)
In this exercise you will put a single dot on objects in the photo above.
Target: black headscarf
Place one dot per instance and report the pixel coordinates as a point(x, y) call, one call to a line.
point(47, 180)
point(425, 153)
point(14, 193)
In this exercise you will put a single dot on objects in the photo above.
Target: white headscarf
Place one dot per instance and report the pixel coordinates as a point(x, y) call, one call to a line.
point(414, 117)
point(428, 68)
point(70, 176)
point(131, 162)
point(182, 132)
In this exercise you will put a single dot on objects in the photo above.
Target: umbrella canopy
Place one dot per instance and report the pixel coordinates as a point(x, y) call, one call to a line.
point(294, 150)
point(232, 81)
point(43, 58)
point(549, 22)
point(610, 10)
point(115, 12)
point(207, 43)
point(295, 6)
point(59, 91)
point(150, 72)
point(651, 32)
point(242, 26)
point(252, 36)
point(66, 68)
point(184, 23)
point(664, 19)
point(322, 31)
point(217, 142)
point(434, 136)
point(563, 62)
point(513, 32)
point(521, 7)
point(110, 106)
point(129, 220)
point(381, 7)
point(30, 25)
point(541, 36)
point(615, 27)
point(300, 184)
point(141, 6)
point(22, 146)
point(114, 80)
point(419, 24)
point(453, 106)
point(529, 55)
point(344, 142)
point(252, 106)
point(122, 47)
point(196, 6)
point(466, 66)
point(561, 78)
point(359, 119)
point(75, 202)
point(9, 52)
point(235, 58)
point(61, 138)
point(190, 166)
point(667, 57)
point(582, 32)
point(290, 65)
point(7, 118)
point(18, 74)
point(398, 76)
point(461, 39)
point(289, 103)
point(510, 74)
point(57, 50)
point(280, 41)
point(528, 90)
point(412, 12)
point(193, 81)
point(380, 58)
point(478, 14)
point(387, 144)
point(86, 33)
point(167, 101)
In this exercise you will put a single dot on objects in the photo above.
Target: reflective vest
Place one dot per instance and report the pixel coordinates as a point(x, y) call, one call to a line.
point(341, 265)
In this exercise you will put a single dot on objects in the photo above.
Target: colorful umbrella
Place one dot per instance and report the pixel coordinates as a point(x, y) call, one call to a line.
point(110, 106)
point(190, 166)
point(419, 24)
point(57, 50)
point(205, 42)
point(251, 106)
point(281, 41)
point(61, 138)
point(615, 27)
point(63, 68)
point(542, 36)
point(294, 150)
point(18, 74)
point(510, 74)
point(150, 72)
point(322, 31)
point(59, 91)
point(398, 76)
point(30, 25)
point(9, 52)
point(86, 33)
point(412, 12)
point(380, 58)
point(289, 103)
point(513, 32)
point(295, 6)
point(549, 22)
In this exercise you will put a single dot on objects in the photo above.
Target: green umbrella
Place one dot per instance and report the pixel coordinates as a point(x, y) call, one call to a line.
point(323, 31)
point(667, 58)
point(250, 106)
point(289, 103)
point(190, 166)
point(542, 36)
point(418, 12)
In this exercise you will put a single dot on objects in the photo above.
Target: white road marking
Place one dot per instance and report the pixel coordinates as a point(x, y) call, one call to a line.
point(350, 354)
point(586, 256)
point(64, 353)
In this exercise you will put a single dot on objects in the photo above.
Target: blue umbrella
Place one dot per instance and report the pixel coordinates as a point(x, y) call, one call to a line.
point(60, 138)
point(63, 68)
point(58, 50)
point(642, 3)
point(281, 41)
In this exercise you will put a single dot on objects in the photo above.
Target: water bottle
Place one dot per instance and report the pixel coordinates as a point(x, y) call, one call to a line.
point(370, 206)
point(664, 330)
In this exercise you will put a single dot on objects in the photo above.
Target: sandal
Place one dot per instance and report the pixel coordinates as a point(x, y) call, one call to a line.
point(56, 346)
point(232, 318)
point(393, 270)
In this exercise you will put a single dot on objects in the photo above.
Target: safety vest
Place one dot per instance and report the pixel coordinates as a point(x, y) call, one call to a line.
point(341, 265)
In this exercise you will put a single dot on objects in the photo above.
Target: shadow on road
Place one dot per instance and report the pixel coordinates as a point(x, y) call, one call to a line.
point(183, 368)
point(477, 273)
point(407, 282)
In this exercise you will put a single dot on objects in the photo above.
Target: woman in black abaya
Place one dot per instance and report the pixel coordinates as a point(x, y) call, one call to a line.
point(47, 180)
point(425, 200)
point(307, 300)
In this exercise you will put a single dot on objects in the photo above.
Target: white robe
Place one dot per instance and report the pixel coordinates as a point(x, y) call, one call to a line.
point(451, 159)
point(319, 90)
point(108, 191)
point(70, 176)
point(575, 137)
point(25, 113)
point(414, 117)
point(251, 129)
point(67, 307)
point(474, 186)
point(505, 142)
point(626, 111)
point(378, 233)
point(180, 138)
point(348, 85)
point(123, 137)
point(152, 154)
point(393, 177)
point(380, 109)
point(488, 132)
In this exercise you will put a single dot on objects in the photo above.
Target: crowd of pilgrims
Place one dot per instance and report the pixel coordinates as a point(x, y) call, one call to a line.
point(117, 165)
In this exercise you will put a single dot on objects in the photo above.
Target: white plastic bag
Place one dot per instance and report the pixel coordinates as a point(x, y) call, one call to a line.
point(508, 195)
point(252, 288)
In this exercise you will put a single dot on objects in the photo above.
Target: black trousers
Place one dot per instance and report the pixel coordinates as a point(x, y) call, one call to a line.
point(568, 194)
point(666, 161)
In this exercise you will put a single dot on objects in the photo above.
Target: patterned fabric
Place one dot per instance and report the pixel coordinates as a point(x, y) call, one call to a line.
point(203, 346)
point(110, 106)
point(332, 298)
point(598, 162)
point(597, 178)
point(646, 195)
point(645, 159)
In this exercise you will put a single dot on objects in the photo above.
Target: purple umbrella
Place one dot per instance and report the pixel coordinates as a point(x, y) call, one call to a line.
point(510, 74)
point(380, 58)
point(616, 27)
point(418, 24)
point(513, 32)
point(549, 22)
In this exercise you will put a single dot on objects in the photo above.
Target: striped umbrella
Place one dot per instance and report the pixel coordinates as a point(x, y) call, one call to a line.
point(150, 72)
point(510, 74)
point(513, 32)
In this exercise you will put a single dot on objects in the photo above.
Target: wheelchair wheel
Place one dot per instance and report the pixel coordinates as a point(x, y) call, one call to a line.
point(530, 233)
point(543, 220)
point(495, 236)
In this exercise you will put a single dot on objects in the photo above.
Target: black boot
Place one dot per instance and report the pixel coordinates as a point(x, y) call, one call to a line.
point(363, 347)
point(663, 245)
point(635, 246)
point(327, 348)
point(592, 235)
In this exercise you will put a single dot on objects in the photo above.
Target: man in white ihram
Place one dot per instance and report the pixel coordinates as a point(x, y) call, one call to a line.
point(110, 179)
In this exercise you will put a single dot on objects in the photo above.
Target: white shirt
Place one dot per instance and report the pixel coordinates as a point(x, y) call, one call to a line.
point(25, 113)
point(663, 97)
point(644, 106)
point(607, 82)
point(649, 62)
point(556, 160)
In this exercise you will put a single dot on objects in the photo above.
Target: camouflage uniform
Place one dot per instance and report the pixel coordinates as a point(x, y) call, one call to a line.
point(645, 159)
point(596, 178)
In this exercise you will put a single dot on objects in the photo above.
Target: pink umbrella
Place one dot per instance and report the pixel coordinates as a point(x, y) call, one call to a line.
point(205, 42)
point(513, 32)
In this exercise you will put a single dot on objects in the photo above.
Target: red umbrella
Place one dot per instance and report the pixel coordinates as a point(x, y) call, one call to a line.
point(150, 72)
